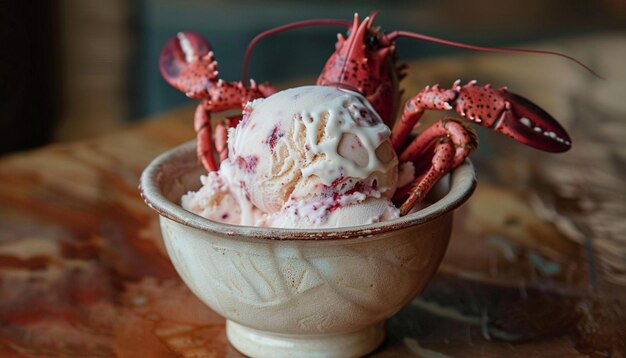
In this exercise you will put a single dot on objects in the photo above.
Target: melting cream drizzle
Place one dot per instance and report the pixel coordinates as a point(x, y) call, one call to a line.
point(340, 122)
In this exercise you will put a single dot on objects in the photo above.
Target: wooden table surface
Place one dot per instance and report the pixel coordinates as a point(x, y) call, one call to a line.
point(536, 264)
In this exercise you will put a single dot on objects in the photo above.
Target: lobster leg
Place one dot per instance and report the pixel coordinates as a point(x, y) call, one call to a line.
point(453, 143)
point(428, 98)
point(221, 135)
point(503, 111)
point(224, 96)
point(204, 148)
point(207, 144)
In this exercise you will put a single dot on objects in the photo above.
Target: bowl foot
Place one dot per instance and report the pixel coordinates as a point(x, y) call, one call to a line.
point(255, 343)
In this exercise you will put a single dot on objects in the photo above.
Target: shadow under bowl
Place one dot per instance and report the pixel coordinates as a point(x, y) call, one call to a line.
point(323, 292)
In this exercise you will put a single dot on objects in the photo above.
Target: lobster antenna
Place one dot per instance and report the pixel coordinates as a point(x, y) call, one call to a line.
point(293, 25)
point(394, 35)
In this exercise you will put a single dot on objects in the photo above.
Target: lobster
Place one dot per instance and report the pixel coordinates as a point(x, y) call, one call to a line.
point(365, 62)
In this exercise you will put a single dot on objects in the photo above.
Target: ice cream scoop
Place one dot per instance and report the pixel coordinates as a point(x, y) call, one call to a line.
point(305, 153)
point(310, 143)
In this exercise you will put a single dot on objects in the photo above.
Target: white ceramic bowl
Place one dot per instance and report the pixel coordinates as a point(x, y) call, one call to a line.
point(305, 293)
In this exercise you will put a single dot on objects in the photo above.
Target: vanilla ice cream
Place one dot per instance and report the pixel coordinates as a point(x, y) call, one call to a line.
point(305, 157)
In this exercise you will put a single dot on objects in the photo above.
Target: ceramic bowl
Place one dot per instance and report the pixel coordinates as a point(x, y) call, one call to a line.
point(305, 293)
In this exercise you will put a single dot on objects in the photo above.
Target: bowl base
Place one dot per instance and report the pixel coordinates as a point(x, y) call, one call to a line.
point(260, 344)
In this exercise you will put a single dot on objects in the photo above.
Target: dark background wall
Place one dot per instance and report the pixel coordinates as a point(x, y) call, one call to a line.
point(29, 72)
point(77, 69)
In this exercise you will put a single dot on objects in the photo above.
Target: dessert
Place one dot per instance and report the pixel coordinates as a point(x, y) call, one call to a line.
point(306, 157)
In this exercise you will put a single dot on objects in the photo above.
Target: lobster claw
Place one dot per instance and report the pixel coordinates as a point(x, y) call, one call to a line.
point(512, 115)
point(528, 123)
point(187, 64)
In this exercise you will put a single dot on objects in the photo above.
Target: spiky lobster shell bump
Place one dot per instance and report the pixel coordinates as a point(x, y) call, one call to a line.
point(369, 71)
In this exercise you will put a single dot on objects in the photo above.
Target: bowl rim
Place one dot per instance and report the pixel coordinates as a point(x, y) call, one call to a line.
point(462, 185)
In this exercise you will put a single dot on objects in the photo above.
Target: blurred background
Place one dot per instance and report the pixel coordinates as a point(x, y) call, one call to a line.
point(75, 69)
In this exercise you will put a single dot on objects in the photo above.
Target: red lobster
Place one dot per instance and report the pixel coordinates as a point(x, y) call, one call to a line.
point(364, 62)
